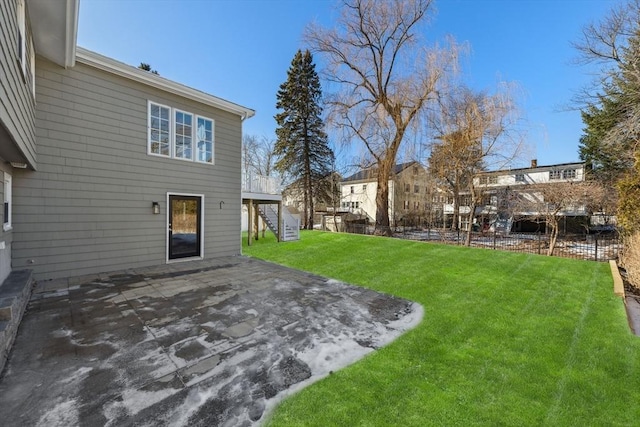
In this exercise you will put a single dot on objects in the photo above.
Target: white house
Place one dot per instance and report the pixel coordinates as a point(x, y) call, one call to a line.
point(408, 188)
point(501, 186)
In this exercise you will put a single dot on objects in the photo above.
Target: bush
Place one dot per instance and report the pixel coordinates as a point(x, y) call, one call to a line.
point(630, 258)
point(629, 203)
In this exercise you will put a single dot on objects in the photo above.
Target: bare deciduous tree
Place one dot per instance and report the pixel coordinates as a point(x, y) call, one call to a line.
point(603, 44)
point(552, 202)
point(258, 155)
point(474, 131)
point(385, 78)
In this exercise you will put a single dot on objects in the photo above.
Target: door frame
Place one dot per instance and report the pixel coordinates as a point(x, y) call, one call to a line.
point(166, 226)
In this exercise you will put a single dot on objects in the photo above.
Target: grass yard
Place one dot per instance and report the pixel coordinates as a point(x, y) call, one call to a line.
point(507, 339)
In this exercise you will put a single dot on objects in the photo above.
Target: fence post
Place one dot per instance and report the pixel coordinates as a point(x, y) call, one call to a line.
point(539, 242)
point(494, 238)
point(458, 237)
point(596, 255)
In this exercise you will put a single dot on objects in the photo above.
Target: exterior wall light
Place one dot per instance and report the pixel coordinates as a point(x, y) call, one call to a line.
point(156, 207)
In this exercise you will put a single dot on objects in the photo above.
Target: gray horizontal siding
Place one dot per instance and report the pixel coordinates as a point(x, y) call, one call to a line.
point(88, 207)
point(16, 98)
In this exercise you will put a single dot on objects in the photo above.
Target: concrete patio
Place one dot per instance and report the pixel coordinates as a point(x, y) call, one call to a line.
point(211, 343)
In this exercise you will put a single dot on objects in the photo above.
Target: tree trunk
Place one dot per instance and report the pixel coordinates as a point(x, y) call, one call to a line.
point(553, 237)
point(472, 211)
point(308, 190)
point(456, 214)
point(305, 191)
point(382, 200)
point(311, 207)
point(455, 219)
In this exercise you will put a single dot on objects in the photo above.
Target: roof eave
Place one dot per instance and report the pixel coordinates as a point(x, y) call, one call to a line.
point(112, 66)
point(54, 25)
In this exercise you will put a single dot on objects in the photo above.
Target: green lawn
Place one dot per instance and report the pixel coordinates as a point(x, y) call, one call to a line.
point(507, 339)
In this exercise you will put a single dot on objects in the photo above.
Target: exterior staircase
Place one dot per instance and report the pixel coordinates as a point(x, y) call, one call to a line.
point(290, 224)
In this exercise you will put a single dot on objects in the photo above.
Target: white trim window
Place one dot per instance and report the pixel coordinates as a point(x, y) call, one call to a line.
point(183, 135)
point(204, 140)
point(159, 130)
point(32, 67)
point(22, 36)
point(555, 174)
point(179, 134)
point(6, 221)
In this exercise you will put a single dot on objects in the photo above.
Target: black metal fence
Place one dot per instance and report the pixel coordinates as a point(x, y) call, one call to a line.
point(593, 247)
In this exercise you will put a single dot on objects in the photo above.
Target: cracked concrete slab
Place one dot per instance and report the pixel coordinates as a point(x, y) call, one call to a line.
point(216, 342)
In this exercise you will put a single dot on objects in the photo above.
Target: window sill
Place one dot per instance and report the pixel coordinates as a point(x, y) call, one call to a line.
point(7, 227)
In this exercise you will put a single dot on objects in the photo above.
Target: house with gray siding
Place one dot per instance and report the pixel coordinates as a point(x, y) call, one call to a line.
point(106, 166)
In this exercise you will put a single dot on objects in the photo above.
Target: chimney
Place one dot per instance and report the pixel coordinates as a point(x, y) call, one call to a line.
point(534, 163)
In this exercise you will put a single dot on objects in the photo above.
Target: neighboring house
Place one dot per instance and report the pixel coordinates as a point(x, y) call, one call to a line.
point(505, 195)
point(106, 166)
point(409, 188)
point(327, 196)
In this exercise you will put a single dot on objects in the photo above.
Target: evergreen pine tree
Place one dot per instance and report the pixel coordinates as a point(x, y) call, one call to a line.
point(302, 145)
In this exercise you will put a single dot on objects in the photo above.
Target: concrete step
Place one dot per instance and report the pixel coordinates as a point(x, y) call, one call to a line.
point(15, 292)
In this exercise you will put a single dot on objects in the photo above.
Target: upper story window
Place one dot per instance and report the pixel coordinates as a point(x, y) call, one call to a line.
point(351, 190)
point(493, 179)
point(519, 177)
point(569, 174)
point(407, 188)
point(22, 36)
point(159, 130)
point(364, 187)
point(180, 134)
point(555, 174)
point(32, 67)
point(416, 188)
point(483, 180)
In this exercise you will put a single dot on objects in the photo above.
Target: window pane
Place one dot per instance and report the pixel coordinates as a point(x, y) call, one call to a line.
point(204, 135)
point(184, 132)
point(159, 130)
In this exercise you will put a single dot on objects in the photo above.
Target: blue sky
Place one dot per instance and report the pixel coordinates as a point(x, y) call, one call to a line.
point(241, 50)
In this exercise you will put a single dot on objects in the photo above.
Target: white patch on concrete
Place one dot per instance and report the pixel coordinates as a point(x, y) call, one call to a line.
point(78, 375)
point(64, 414)
point(134, 401)
point(326, 356)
